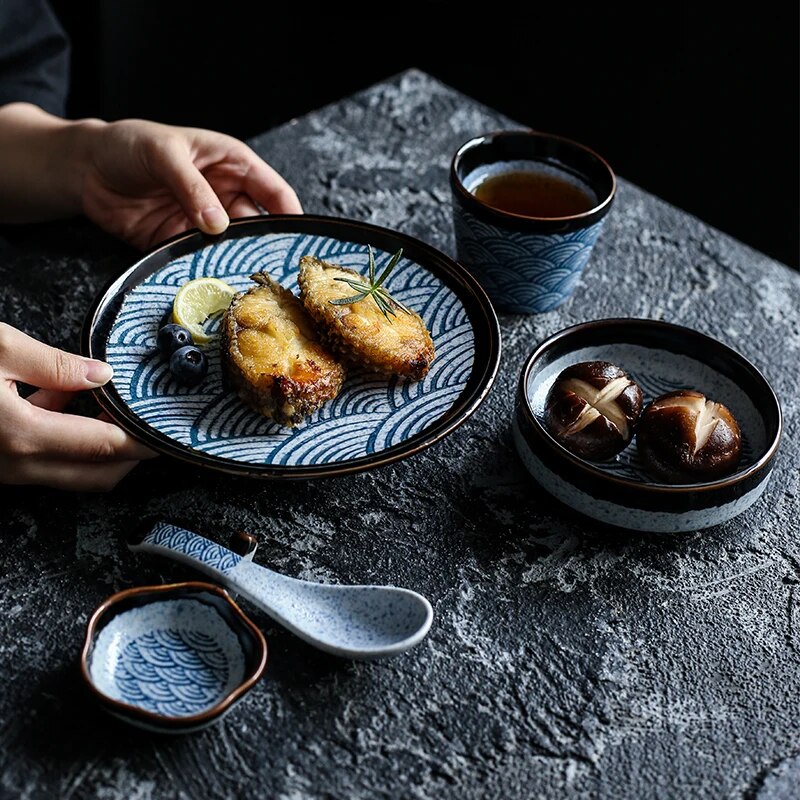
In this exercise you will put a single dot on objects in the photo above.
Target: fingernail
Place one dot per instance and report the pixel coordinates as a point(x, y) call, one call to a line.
point(215, 218)
point(98, 372)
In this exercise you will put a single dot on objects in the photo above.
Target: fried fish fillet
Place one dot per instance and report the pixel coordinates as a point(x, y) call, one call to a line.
point(273, 357)
point(360, 332)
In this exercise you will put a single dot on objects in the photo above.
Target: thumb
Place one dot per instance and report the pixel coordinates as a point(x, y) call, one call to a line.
point(23, 358)
point(193, 192)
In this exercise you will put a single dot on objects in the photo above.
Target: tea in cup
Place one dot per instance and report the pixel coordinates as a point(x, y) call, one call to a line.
point(528, 208)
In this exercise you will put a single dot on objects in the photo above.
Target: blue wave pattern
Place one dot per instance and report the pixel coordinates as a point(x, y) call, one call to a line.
point(523, 272)
point(210, 553)
point(370, 414)
point(173, 673)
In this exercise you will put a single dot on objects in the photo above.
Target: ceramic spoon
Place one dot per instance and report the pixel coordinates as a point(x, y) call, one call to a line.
point(351, 621)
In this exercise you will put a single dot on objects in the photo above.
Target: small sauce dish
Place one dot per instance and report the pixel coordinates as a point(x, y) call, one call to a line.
point(172, 658)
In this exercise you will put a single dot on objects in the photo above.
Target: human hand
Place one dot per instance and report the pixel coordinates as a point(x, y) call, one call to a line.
point(146, 181)
point(40, 445)
point(140, 180)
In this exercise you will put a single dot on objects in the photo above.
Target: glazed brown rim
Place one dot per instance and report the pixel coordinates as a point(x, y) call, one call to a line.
point(159, 720)
point(510, 216)
point(627, 483)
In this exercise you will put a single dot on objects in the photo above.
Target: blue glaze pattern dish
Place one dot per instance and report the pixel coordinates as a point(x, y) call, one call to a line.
point(374, 419)
point(660, 357)
point(171, 658)
point(167, 659)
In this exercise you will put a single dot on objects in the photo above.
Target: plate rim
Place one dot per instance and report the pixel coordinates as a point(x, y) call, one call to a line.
point(122, 415)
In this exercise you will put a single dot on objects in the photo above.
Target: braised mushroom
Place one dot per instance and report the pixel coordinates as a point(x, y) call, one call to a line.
point(592, 409)
point(683, 437)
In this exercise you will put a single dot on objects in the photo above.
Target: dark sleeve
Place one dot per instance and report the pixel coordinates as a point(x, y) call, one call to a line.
point(34, 55)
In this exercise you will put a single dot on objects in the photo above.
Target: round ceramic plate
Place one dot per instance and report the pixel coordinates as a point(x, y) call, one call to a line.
point(374, 420)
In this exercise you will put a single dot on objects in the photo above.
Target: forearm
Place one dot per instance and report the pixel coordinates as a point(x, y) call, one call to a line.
point(43, 161)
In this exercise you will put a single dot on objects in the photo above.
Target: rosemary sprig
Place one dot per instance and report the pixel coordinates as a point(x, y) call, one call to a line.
point(374, 288)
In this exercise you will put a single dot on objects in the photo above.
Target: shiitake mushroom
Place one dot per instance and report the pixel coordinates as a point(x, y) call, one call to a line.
point(683, 437)
point(592, 409)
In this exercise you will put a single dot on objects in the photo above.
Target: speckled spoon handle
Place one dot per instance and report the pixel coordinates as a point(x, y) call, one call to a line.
point(352, 621)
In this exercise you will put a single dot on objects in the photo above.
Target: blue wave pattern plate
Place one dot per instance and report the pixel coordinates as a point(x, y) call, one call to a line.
point(169, 665)
point(373, 415)
point(171, 658)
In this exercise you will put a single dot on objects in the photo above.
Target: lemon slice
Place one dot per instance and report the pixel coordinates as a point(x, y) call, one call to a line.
point(196, 301)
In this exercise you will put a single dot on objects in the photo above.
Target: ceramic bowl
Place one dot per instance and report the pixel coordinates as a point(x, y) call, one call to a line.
point(661, 357)
point(171, 658)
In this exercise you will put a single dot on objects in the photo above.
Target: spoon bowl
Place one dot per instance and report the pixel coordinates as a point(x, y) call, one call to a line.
point(359, 622)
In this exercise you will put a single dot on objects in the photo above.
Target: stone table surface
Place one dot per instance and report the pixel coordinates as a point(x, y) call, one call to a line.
point(564, 660)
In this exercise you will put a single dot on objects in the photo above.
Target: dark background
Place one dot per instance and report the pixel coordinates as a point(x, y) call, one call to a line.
point(697, 106)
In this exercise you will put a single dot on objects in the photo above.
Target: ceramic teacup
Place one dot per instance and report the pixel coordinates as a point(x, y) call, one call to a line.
point(528, 208)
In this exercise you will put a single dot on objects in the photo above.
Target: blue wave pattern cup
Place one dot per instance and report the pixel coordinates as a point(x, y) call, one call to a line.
point(527, 264)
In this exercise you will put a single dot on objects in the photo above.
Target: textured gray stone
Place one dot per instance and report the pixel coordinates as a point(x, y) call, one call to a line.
point(565, 659)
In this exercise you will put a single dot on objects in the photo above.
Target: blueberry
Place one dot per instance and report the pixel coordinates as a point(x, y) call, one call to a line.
point(172, 337)
point(189, 365)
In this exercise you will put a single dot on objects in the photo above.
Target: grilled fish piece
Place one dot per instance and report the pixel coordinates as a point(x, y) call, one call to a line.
point(273, 357)
point(360, 332)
